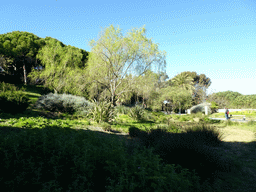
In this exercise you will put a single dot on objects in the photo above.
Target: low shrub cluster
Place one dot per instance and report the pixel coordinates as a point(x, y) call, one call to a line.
point(64, 103)
point(137, 112)
point(12, 99)
point(102, 111)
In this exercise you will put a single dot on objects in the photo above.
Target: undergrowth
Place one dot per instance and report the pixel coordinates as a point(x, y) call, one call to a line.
point(162, 152)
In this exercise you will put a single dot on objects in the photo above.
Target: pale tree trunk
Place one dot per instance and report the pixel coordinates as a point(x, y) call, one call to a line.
point(25, 77)
point(180, 108)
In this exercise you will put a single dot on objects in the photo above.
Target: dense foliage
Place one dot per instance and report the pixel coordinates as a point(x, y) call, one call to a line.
point(64, 103)
point(21, 52)
point(12, 100)
point(233, 100)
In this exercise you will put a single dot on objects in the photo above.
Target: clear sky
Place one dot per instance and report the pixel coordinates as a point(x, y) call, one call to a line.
point(213, 37)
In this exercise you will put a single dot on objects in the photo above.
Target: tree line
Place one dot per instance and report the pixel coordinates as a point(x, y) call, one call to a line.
point(120, 69)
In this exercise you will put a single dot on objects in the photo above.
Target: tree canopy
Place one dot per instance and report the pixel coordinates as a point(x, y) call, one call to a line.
point(113, 57)
point(199, 82)
point(19, 50)
point(60, 62)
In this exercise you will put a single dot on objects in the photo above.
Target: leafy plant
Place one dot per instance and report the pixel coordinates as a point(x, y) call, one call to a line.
point(122, 109)
point(102, 111)
point(137, 112)
point(214, 106)
point(182, 118)
point(9, 87)
point(65, 103)
point(13, 102)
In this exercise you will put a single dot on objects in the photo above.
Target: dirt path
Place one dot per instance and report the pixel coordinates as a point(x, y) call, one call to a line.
point(231, 134)
point(240, 146)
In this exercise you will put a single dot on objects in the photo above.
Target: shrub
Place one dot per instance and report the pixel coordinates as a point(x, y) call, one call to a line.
point(148, 116)
point(137, 112)
point(163, 119)
point(122, 109)
point(176, 117)
point(9, 87)
point(102, 111)
point(214, 107)
point(63, 103)
point(13, 102)
point(182, 118)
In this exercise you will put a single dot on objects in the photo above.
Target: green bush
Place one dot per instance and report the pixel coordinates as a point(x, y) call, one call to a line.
point(13, 102)
point(163, 119)
point(214, 107)
point(176, 117)
point(137, 112)
point(182, 118)
point(9, 87)
point(102, 111)
point(122, 109)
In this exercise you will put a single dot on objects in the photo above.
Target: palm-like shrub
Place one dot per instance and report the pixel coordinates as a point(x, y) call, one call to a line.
point(102, 111)
point(122, 109)
point(137, 112)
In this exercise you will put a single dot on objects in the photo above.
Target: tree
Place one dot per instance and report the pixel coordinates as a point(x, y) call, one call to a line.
point(63, 67)
point(19, 51)
point(113, 56)
point(50, 57)
point(200, 82)
point(184, 81)
point(20, 47)
point(146, 83)
point(177, 96)
point(221, 101)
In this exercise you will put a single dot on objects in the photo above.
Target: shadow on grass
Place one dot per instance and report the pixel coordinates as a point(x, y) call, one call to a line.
point(185, 149)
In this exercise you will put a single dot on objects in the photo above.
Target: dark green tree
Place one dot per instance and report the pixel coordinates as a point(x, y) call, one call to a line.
point(20, 48)
point(200, 83)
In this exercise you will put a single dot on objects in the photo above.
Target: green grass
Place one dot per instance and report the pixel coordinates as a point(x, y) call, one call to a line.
point(53, 154)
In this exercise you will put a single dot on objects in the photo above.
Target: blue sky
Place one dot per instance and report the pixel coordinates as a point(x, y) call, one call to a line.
point(213, 37)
